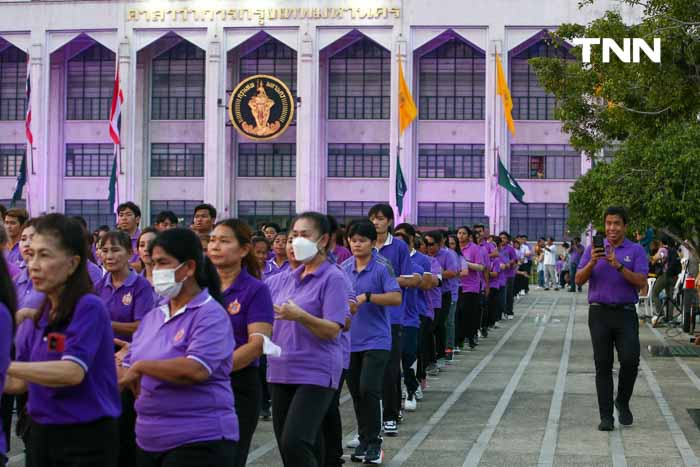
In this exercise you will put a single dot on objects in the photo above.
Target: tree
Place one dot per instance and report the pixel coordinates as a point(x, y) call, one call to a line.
point(649, 111)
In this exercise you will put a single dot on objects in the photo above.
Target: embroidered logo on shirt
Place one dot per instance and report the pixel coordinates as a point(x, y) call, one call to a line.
point(180, 334)
point(627, 259)
point(127, 299)
point(234, 307)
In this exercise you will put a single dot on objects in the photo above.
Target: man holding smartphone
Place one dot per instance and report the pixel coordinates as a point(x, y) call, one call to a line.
point(616, 268)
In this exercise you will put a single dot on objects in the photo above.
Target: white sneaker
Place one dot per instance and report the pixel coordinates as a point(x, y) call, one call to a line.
point(411, 404)
point(479, 333)
point(353, 442)
point(391, 428)
point(419, 394)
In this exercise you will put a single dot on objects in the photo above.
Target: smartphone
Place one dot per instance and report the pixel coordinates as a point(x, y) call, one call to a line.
point(56, 341)
point(598, 241)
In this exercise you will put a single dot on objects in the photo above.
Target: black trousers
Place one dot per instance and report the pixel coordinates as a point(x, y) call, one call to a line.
point(526, 267)
point(127, 433)
point(472, 311)
point(494, 306)
point(6, 406)
point(333, 429)
point(218, 453)
point(484, 311)
point(426, 346)
point(391, 401)
point(94, 444)
point(298, 411)
point(441, 325)
point(265, 390)
point(409, 358)
point(247, 395)
point(509, 295)
point(614, 329)
point(365, 379)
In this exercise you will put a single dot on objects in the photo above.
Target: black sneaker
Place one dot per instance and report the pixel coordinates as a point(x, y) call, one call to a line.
point(266, 414)
point(606, 424)
point(624, 414)
point(374, 454)
point(359, 454)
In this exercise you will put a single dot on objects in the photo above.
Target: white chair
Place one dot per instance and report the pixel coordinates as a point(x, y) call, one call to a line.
point(645, 300)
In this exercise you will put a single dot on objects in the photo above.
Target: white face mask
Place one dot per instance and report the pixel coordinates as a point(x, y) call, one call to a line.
point(165, 284)
point(304, 249)
point(269, 347)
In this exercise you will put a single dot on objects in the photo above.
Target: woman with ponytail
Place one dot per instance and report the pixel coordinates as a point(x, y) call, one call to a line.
point(179, 362)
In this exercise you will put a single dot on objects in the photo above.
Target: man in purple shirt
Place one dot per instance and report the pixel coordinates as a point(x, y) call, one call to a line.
point(616, 273)
point(575, 254)
point(510, 258)
point(396, 251)
point(128, 220)
point(14, 220)
point(470, 279)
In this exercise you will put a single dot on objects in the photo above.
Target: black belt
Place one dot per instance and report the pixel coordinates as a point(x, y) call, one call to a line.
point(615, 306)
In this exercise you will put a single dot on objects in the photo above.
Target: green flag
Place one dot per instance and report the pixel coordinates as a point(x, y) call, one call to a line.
point(21, 180)
point(401, 187)
point(506, 180)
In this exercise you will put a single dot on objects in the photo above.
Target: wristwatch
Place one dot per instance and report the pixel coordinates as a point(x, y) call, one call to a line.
point(368, 296)
point(620, 268)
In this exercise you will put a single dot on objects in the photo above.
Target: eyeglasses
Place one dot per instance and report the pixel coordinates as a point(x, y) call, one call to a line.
point(430, 244)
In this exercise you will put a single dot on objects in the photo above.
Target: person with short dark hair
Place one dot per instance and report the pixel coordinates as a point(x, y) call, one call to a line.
point(261, 252)
point(371, 337)
point(65, 356)
point(616, 273)
point(14, 220)
point(204, 218)
point(165, 220)
point(278, 262)
point(510, 259)
point(575, 253)
point(128, 220)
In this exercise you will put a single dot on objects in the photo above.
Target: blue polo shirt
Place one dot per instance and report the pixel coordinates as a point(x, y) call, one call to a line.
point(397, 253)
point(128, 303)
point(425, 263)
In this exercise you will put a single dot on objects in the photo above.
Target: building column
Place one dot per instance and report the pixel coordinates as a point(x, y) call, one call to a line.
point(216, 190)
point(53, 120)
point(35, 189)
point(406, 141)
point(309, 176)
point(128, 171)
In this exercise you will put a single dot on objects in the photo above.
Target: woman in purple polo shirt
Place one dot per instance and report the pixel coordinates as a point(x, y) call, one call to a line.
point(66, 356)
point(279, 261)
point(179, 363)
point(470, 283)
point(310, 309)
point(376, 289)
point(8, 306)
point(249, 305)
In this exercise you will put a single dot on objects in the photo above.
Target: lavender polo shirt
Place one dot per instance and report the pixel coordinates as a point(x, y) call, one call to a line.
point(88, 343)
point(135, 245)
point(340, 253)
point(496, 282)
point(434, 295)
point(5, 349)
point(471, 283)
point(95, 272)
point(247, 301)
point(606, 284)
point(371, 326)
point(271, 267)
point(14, 256)
point(130, 302)
point(27, 297)
point(449, 261)
point(307, 359)
point(171, 415)
point(413, 305)
point(396, 252)
point(428, 264)
point(345, 335)
point(575, 255)
point(508, 254)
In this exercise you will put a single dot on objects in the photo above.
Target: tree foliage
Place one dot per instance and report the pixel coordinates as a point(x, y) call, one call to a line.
point(649, 111)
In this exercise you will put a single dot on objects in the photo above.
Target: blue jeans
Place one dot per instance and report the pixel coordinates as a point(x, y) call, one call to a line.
point(573, 267)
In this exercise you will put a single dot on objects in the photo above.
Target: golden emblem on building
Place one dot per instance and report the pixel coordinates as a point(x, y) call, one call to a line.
point(261, 107)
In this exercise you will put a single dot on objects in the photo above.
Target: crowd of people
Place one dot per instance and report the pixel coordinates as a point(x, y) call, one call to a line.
point(167, 345)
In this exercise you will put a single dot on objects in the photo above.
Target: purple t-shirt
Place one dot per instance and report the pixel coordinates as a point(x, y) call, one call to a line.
point(323, 294)
point(496, 282)
point(413, 305)
point(271, 268)
point(345, 335)
point(434, 295)
point(88, 343)
point(135, 246)
point(426, 264)
point(509, 254)
point(449, 261)
point(5, 349)
point(171, 415)
point(130, 302)
point(14, 256)
point(340, 253)
point(575, 254)
point(371, 325)
point(95, 272)
point(396, 251)
point(472, 282)
point(247, 301)
point(606, 284)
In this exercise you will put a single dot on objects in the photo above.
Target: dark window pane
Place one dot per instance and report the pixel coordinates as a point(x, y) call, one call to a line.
point(178, 84)
point(539, 220)
point(183, 209)
point(96, 212)
point(89, 84)
point(255, 213)
point(89, 160)
point(545, 161)
point(451, 215)
point(177, 160)
point(358, 160)
point(13, 77)
point(266, 160)
point(451, 161)
point(347, 211)
point(11, 159)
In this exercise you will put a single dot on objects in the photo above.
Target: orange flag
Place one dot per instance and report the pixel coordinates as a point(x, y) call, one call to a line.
point(503, 91)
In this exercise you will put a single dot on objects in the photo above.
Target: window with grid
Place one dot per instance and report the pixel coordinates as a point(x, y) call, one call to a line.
point(96, 212)
point(452, 83)
point(540, 161)
point(358, 160)
point(178, 84)
point(255, 213)
point(347, 211)
point(451, 161)
point(452, 215)
point(272, 58)
point(530, 101)
point(539, 220)
point(89, 84)
point(359, 82)
point(89, 160)
point(267, 160)
point(183, 209)
point(11, 159)
point(13, 76)
point(177, 160)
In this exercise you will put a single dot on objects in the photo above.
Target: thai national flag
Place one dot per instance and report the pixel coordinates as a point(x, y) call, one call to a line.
point(28, 118)
point(115, 116)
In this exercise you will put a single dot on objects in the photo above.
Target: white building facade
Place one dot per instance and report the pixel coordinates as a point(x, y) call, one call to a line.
point(179, 60)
